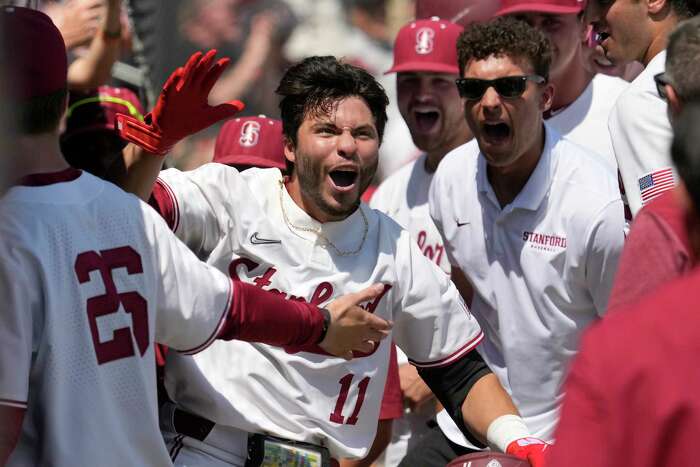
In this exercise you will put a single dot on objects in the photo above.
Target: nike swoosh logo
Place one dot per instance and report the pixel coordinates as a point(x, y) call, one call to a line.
point(255, 239)
point(460, 224)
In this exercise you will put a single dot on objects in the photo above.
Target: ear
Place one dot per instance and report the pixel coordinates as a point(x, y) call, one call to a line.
point(656, 6)
point(547, 96)
point(674, 102)
point(289, 150)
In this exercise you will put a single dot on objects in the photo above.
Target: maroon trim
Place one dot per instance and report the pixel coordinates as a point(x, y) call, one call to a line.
point(49, 178)
point(462, 351)
point(164, 201)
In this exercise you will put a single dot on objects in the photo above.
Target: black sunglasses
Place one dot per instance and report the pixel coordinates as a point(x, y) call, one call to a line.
point(509, 87)
point(662, 81)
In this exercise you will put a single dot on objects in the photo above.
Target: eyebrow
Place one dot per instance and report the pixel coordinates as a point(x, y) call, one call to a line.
point(328, 123)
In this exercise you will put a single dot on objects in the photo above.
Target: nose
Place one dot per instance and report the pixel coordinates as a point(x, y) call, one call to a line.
point(347, 146)
point(491, 100)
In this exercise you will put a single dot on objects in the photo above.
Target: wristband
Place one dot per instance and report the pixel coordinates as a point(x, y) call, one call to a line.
point(326, 323)
point(504, 430)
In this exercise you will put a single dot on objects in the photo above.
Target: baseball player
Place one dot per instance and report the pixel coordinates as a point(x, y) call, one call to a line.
point(90, 141)
point(641, 133)
point(90, 277)
point(532, 223)
point(425, 60)
point(308, 237)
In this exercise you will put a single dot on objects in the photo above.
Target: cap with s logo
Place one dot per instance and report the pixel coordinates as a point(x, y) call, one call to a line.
point(251, 141)
point(427, 45)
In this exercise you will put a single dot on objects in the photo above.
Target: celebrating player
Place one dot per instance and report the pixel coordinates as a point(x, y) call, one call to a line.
point(309, 237)
point(425, 60)
point(91, 276)
point(532, 223)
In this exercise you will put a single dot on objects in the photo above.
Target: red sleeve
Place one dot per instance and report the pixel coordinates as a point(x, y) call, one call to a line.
point(656, 251)
point(392, 402)
point(581, 438)
point(257, 315)
point(10, 429)
point(163, 200)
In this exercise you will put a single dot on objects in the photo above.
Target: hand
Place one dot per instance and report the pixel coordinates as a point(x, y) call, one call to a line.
point(182, 108)
point(415, 391)
point(77, 20)
point(530, 449)
point(352, 328)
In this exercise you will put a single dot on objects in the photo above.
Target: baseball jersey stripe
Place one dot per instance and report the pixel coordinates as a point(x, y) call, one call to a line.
point(465, 349)
point(13, 403)
point(172, 215)
point(222, 321)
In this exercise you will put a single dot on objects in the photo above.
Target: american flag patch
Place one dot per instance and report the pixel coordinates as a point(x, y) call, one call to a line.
point(655, 183)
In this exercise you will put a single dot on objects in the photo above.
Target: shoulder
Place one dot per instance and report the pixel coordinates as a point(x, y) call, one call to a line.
point(461, 160)
point(395, 185)
point(640, 94)
point(609, 86)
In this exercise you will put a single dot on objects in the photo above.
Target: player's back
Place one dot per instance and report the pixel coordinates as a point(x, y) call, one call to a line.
point(79, 324)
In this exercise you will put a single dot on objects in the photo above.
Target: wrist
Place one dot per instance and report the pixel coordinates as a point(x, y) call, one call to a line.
point(504, 430)
point(112, 34)
point(326, 324)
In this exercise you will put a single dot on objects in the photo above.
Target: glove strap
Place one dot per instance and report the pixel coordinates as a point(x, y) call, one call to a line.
point(143, 134)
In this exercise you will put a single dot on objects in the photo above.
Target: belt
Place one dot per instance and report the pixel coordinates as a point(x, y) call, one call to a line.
point(191, 425)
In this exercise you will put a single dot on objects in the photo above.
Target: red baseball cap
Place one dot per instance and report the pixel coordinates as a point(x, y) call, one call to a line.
point(33, 54)
point(462, 12)
point(98, 109)
point(427, 45)
point(559, 7)
point(255, 141)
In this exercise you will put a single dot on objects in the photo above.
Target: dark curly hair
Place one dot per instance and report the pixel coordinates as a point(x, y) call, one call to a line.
point(316, 84)
point(505, 36)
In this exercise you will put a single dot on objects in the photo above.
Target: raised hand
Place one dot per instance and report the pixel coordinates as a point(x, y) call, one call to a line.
point(182, 108)
point(351, 327)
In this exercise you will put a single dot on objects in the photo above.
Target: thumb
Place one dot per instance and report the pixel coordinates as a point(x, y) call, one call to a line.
point(364, 295)
point(224, 111)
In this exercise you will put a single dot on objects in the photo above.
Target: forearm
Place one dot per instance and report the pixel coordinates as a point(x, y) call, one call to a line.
point(94, 68)
point(142, 170)
point(485, 402)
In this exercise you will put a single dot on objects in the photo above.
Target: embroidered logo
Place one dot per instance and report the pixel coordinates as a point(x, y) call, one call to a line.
point(493, 463)
point(540, 241)
point(255, 239)
point(424, 41)
point(250, 133)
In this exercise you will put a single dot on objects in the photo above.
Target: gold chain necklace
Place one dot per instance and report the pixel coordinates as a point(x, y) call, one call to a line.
point(320, 234)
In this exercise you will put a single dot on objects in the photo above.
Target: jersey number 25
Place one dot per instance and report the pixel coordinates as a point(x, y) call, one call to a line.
point(121, 345)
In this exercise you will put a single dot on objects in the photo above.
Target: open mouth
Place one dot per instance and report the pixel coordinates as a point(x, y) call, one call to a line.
point(496, 132)
point(343, 179)
point(426, 120)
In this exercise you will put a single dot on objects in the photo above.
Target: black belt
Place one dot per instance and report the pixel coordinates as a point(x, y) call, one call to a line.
point(191, 425)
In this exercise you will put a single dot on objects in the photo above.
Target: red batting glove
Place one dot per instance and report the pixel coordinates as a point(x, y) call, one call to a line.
point(182, 108)
point(530, 449)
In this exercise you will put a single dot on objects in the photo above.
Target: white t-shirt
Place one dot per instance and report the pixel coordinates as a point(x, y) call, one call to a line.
point(585, 121)
point(243, 224)
point(641, 136)
point(404, 198)
point(90, 277)
point(541, 267)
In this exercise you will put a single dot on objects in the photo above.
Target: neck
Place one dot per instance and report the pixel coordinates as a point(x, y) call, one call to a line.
point(570, 84)
point(658, 44)
point(308, 206)
point(508, 181)
point(37, 154)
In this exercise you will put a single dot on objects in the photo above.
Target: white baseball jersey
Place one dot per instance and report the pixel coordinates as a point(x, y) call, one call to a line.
point(90, 277)
point(585, 121)
point(246, 224)
point(404, 197)
point(541, 267)
point(641, 136)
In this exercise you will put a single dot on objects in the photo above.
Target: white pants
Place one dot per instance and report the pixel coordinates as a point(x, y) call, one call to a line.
point(189, 452)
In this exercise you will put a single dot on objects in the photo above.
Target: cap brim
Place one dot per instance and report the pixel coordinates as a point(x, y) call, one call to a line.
point(255, 161)
point(423, 66)
point(540, 8)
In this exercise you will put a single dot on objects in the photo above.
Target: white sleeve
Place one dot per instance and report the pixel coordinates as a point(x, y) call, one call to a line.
point(433, 325)
point(641, 138)
point(605, 240)
point(195, 204)
point(193, 298)
point(21, 303)
point(439, 197)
